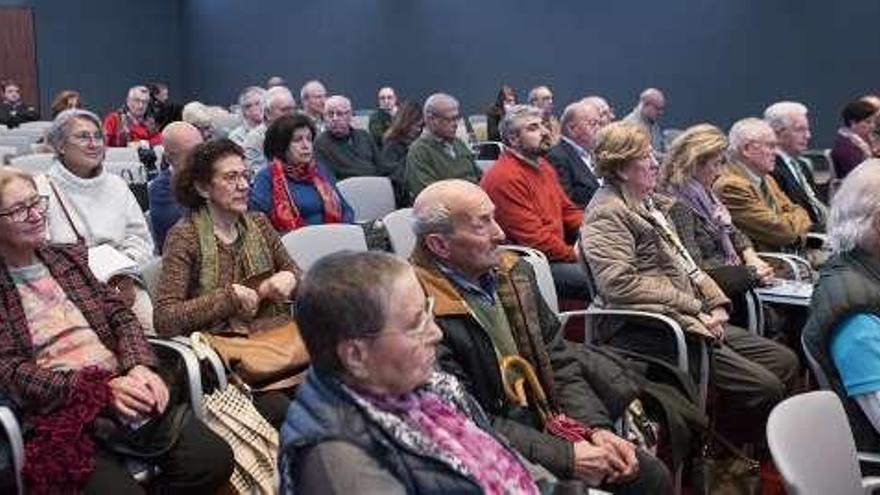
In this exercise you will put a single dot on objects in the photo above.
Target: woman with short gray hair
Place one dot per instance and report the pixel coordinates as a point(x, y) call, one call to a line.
point(843, 330)
point(89, 205)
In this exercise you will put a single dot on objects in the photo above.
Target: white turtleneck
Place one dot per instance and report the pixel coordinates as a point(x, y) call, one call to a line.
point(104, 211)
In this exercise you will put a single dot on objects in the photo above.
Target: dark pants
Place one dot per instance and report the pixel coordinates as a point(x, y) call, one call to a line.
point(201, 462)
point(273, 404)
point(653, 477)
point(749, 374)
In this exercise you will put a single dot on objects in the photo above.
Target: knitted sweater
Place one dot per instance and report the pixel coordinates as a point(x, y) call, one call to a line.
point(104, 210)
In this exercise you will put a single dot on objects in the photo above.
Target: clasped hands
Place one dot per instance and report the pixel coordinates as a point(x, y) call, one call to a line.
point(276, 288)
point(139, 394)
point(606, 457)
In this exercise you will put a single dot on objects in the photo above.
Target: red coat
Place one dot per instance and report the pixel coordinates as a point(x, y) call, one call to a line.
point(137, 131)
point(531, 206)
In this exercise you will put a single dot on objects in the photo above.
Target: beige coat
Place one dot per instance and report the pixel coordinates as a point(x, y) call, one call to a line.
point(633, 267)
point(769, 230)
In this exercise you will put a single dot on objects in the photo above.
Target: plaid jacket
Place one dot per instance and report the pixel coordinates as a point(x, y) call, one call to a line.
point(38, 390)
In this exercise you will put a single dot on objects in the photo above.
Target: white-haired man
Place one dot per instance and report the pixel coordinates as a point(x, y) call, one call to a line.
point(313, 95)
point(647, 113)
point(789, 120)
point(606, 112)
point(277, 102)
point(130, 123)
point(438, 154)
point(573, 156)
point(758, 207)
point(346, 151)
point(542, 98)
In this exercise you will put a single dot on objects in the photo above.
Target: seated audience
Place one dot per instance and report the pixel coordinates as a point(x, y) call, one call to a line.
point(74, 357)
point(165, 110)
point(313, 95)
point(489, 308)
point(65, 100)
point(380, 119)
point(216, 256)
point(277, 102)
point(843, 329)
point(347, 151)
point(89, 205)
point(296, 189)
point(647, 115)
point(758, 207)
point(573, 156)
point(852, 144)
point(505, 99)
point(13, 110)
point(438, 154)
point(542, 98)
point(197, 114)
point(251, 113)
point(638, 262)
point(374, 416)
point(792, 174)
point(131, 124)
point(532, 208)
point(606, 113)
point(405, 128)
point(692, 164)
point(179, 139)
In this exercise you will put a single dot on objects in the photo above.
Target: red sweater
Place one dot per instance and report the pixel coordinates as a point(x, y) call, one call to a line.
point(114, 135)
point(531, 206)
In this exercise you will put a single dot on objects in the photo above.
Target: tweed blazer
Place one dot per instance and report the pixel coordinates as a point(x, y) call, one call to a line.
point(769, 230)
point(36, 389)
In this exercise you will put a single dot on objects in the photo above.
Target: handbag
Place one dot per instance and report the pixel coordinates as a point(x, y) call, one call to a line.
point(734, 474)
point(231, 414)
point(264, 358)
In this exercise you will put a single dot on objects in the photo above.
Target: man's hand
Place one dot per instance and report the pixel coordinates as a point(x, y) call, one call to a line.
point(622, 449)
point(593, 463)
point(278, 287)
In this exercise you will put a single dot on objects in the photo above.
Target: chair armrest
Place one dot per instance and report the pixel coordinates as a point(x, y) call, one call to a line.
point(193, 372)
point(677, 332)
point(755, 311)
point(870, 483)
point(795, 264)
point(818, 238)
point(869, 457)
point(207, 352)
point(16, 443)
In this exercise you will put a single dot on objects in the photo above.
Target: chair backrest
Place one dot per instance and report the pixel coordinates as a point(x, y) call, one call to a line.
point(488, 150)
point(399, 224)
point(7, 152)
point(22, 144)
point(33, 164)
point(151, 272)
point(121, 154)
point(32, 134)
point(131, 172)
point(370, 197)
point(815, 367)
point(308, 244)
point(41, 125)
point(543, 275)
point(812, 445)
point(485, 165)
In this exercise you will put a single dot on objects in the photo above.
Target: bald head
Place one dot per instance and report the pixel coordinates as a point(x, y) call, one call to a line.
point(652, 104)
point(581, 122)
point(179, 138)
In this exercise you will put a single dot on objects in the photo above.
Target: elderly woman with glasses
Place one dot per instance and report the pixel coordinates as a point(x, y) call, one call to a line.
point(639, 262)
point(224, 269)
point(90, 205)
point(72, 357)
point(374, 415)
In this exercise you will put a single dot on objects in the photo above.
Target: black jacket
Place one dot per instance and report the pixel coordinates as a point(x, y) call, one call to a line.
point(792, 188)
point(574, 176)
point(13, 116)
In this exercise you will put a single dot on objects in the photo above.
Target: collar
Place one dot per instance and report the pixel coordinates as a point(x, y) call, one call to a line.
point(484, 288)
point(437, 139)
point(578, 148)
point(59, 171)
point(535, 164)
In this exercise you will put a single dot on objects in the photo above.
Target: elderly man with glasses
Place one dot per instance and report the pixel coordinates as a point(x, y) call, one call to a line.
point(347, 151)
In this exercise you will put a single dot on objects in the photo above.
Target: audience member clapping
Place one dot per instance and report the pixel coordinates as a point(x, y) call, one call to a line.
point(131, 124)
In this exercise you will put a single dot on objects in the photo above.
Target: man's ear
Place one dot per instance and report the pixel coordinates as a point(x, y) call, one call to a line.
point(438, 244)
point(354, 354)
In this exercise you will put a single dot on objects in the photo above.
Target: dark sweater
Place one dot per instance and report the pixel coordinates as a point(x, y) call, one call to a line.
point(354, 155)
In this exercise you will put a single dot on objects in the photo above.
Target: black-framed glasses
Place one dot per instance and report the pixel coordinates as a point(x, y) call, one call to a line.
point(419, 332)
point(20, 214)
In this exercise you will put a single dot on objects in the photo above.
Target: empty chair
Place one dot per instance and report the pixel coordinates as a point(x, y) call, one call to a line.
point(22, 144)
point(813, 447)
point(7, 152)
point(369, 197)
point(308, 244)
point(399, 225)
point(33, 135)
point(40, 125)
point(115, 154)
point(33, 164)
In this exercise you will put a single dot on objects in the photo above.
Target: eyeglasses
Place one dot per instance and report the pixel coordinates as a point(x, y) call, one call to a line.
point(87, 137)
point(21, 214)
point(419, 332)
point(333, 114)
point(234, 178)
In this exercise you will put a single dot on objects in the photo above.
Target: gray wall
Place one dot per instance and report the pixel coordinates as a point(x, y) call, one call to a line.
point(716, 60)
point(102, 47)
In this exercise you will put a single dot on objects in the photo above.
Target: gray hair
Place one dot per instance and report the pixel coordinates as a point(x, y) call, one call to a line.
point(745, 131)
point(337, 99)
point(434, 100)
point(573, 110)
point(138, 89)
point(308, 86)
point(273, 94)
point(533, 94)
point(780, 114)
point(510, 123)
point(57, 134)
point(249, 91)
point(854, 207)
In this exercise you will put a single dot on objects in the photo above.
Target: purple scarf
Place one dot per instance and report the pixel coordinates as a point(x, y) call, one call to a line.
point(704, 204)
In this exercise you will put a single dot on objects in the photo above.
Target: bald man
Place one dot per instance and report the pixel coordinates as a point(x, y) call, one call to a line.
point(573, 156)
point(647, 115)
point(179, 139)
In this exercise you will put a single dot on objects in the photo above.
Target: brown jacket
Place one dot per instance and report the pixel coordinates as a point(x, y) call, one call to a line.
point(769, 230)
point(634, 268)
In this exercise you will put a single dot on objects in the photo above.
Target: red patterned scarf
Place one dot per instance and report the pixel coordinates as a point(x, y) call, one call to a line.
point(285, 216)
